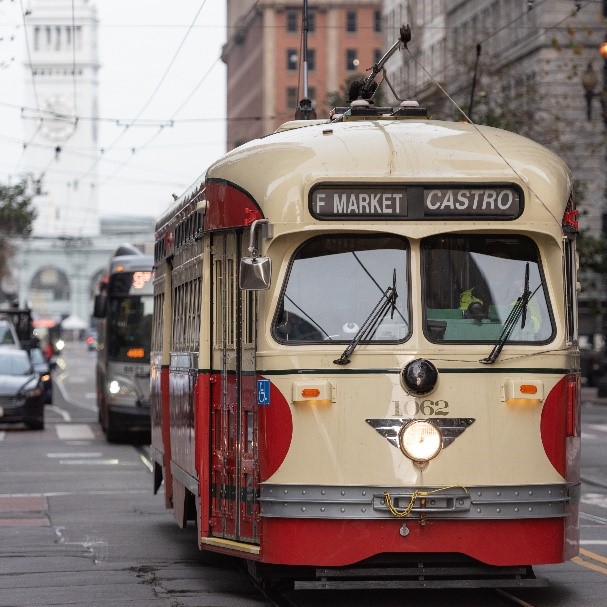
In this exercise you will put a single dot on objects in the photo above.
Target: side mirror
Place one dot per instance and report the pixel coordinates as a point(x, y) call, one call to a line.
point(100, 308)
point(255, 273)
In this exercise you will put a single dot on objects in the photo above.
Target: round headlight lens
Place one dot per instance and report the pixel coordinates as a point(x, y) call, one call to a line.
point(420, 441)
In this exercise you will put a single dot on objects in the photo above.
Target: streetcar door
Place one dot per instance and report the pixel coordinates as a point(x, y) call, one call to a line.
point(233, 397)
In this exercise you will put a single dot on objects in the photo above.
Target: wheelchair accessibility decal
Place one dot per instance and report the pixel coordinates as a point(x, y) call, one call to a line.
point(263, 392)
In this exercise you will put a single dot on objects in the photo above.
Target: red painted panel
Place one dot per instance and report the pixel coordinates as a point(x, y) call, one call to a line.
point(554, 419)
point(329, 543)
point(275, 433)
point(229, 207)
point(166, 437)
point(202, 421)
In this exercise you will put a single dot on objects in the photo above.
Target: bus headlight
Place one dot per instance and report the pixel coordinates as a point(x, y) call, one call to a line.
point(420, 441)
point(121, 389)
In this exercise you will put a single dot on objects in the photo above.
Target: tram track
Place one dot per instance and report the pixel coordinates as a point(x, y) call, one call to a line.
point(286, 599)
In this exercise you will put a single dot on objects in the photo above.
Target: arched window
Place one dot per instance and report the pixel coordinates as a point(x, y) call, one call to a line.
point(49, 284)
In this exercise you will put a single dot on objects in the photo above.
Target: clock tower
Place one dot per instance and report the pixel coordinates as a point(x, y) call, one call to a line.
point(60, 115)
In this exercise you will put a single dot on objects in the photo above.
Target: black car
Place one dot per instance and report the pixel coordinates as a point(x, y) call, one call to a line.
point(43, 367)
point(21, 391)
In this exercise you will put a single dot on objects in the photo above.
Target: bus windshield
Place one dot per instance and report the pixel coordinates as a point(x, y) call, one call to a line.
point(334, 284)
point(472, 283)
point(129, 328)
point(129, 318)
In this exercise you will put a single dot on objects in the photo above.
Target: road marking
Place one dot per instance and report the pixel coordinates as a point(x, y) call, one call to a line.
point(2, 435)
point(64, 414)
point(593, 542)
point(95, 462)
point(596, 499)
point(78, 454)
point(588, 564)
point(74, 431)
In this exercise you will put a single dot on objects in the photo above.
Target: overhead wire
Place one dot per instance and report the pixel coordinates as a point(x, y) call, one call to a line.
point(578, 8)
point(152, 95)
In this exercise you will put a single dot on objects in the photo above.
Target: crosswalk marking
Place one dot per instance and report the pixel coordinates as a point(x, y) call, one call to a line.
point(74, 431)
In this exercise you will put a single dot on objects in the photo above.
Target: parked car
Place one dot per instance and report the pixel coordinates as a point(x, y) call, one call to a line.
point(8, 335)
point(21, 391)
point(43, 367)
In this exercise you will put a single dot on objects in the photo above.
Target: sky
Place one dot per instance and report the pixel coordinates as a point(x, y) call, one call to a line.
point(160, 61)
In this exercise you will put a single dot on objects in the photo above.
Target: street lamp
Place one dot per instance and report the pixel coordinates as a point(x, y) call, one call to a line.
point(590, 81)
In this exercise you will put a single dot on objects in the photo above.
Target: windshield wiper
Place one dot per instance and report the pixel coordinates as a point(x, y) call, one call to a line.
point(307, 316)
point(519, 310)
point(368, 328)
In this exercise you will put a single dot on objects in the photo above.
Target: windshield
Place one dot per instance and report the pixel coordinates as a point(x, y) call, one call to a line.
point(471, 284)
point(335, 282)
point(129, 328)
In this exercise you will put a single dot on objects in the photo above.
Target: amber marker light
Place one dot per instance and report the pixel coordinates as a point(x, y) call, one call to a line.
point(313, 392)
point(135, 353)
point(523, 393)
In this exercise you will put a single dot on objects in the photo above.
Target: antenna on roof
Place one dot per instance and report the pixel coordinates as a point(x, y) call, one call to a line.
point(304, 110)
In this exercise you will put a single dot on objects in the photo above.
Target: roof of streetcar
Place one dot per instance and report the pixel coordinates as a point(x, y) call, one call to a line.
point(384, 150)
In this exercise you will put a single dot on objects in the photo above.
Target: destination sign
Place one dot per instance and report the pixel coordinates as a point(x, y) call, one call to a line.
point(503, 202)
point(359, 202)
point(415, 202)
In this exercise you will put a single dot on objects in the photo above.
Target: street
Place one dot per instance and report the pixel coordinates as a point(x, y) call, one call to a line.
point(80, 525)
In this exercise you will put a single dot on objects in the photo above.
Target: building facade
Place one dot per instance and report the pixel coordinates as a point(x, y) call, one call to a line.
point(61, 92)
point(263, 55)
point(57, 269)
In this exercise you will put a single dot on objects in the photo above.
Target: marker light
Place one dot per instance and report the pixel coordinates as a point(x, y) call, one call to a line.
point(420, 441)
point(523, 393)
point(313, 392)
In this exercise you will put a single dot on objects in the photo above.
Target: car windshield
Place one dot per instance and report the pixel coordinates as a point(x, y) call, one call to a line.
point(36, 356)
point(471, 284)
point(335, 282)
point(15, 364)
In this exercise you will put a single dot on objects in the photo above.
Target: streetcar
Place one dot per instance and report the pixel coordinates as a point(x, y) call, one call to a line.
point(365, 367)
point(123, 307)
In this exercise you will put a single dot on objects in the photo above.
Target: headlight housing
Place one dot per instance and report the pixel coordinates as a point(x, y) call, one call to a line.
point(32, 389)
point(120, 389)
point(420, 441)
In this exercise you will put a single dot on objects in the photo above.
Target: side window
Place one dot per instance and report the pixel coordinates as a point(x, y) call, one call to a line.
point(570, 282)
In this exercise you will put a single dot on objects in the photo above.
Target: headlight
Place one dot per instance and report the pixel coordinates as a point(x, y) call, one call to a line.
point(420, 441)
point(32, 389)
point(45, 377)
point(117, 388)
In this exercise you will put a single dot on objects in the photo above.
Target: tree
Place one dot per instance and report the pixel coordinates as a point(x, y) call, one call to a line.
point(17, 215)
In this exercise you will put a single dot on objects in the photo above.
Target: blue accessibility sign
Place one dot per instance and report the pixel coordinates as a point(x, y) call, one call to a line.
point(263, 392)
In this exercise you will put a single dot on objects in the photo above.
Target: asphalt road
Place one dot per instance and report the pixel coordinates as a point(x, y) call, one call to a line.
point(80, 525)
